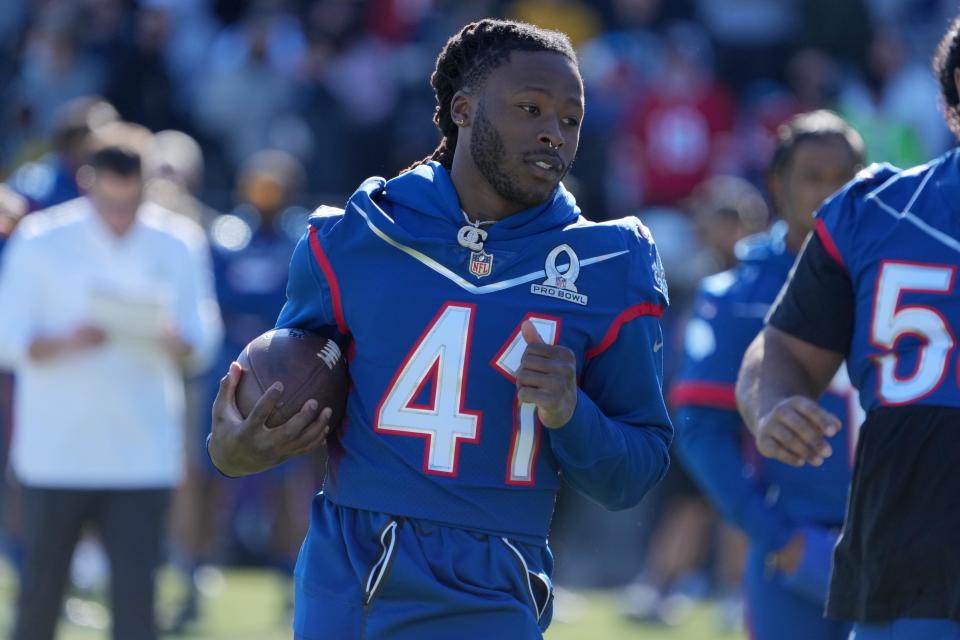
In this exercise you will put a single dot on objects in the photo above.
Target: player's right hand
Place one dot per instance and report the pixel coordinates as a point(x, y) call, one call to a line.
point(240, 446)
point(795, 431)
point(788, 558)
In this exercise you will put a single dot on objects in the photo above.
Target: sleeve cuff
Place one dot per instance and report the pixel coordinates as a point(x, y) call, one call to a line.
point(580, 442)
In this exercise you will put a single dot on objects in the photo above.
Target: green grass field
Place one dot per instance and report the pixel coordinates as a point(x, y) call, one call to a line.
point(248, 605)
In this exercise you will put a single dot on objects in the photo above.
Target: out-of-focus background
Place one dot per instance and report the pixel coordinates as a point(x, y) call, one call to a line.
point(262, 110)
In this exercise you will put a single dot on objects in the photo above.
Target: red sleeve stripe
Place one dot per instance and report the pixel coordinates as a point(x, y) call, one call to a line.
point(331, 280)
point(637, 310)
point(703, 394)
point(828, 243)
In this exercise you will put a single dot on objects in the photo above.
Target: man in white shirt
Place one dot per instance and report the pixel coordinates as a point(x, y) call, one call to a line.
point(104, 300)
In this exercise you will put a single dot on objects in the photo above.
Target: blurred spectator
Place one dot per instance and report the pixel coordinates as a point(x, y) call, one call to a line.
point(55, 69)
point(840, 28)
point(626, 58)
point(814, 79)
point(578, 19)
point(357, 69)
point(895, 108)
point(617, 66)
point(13, 21)
point(351, 91)
point(52, 179)
point(920, 21)
point(752, 36)
point(108, 290)
point(173, 170)
point(106, 27)
point(279, 40)
point(448, 16)
point(683, 526)
point(727, 209)
point(190, 32)
point(677, 135)
point(397, 21)
point(242, 105)
point(139, 85)
point(252, 246)
point(817, 153)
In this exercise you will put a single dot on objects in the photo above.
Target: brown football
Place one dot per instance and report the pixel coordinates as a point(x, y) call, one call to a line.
point(309, 366)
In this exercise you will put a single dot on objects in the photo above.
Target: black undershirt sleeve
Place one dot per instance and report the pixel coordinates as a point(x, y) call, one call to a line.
point(816, 304)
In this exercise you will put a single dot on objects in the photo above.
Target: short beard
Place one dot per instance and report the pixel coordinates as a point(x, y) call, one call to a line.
point(490, 156)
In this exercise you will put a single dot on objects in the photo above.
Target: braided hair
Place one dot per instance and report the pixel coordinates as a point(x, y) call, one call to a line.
point(467, 59)
point(945, 60)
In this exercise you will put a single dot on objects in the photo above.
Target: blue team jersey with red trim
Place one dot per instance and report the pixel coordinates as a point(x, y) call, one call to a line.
point(727, 315)
point(433, 429)
point(897, 236)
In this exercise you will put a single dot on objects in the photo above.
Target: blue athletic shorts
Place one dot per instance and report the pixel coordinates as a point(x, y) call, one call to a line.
point(371, 575)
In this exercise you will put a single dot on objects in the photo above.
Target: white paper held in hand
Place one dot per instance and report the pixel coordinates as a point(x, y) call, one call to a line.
point(128, 315)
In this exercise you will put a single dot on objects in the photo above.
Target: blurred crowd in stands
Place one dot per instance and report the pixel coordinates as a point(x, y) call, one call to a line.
point(251, 113)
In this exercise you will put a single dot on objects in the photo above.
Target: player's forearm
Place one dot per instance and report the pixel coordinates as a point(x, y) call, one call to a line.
point(43, 347)
point(707, 441)
point(614, 463)
point(771, 373)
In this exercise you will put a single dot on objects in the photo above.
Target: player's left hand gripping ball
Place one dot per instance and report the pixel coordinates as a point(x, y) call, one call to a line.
point(547, 378)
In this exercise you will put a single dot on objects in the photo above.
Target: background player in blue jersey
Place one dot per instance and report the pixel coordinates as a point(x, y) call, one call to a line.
point(876, 285)
point(791, 516)
point(496, 341)
point(251, 248)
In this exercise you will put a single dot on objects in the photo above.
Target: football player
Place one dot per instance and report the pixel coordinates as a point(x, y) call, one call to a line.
point(876, 286)
point(497, 340)
point(792, 516)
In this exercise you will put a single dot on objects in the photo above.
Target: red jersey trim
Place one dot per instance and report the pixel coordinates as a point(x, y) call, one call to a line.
point(637, 310)
point(331, 280)
point(828, 243)
point(715, 395)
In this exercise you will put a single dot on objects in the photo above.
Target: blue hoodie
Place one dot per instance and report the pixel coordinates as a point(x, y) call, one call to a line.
point(433, 430)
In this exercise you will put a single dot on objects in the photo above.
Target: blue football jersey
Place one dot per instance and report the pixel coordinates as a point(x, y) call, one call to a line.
point(897, 236)
point(728, 314)
point(877, 284)
point(433, 429)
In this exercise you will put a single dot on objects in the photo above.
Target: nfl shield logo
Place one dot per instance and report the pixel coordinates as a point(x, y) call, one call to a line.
point(481, 263)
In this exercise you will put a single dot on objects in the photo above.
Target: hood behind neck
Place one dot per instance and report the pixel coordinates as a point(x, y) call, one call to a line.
point(427, 190)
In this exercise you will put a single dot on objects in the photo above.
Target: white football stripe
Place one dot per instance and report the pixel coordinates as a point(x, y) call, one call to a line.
point(493, 287)
point(911, 217)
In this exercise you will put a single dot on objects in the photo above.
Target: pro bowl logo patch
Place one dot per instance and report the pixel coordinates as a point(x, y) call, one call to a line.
point(561, 279)
point(481, 263)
